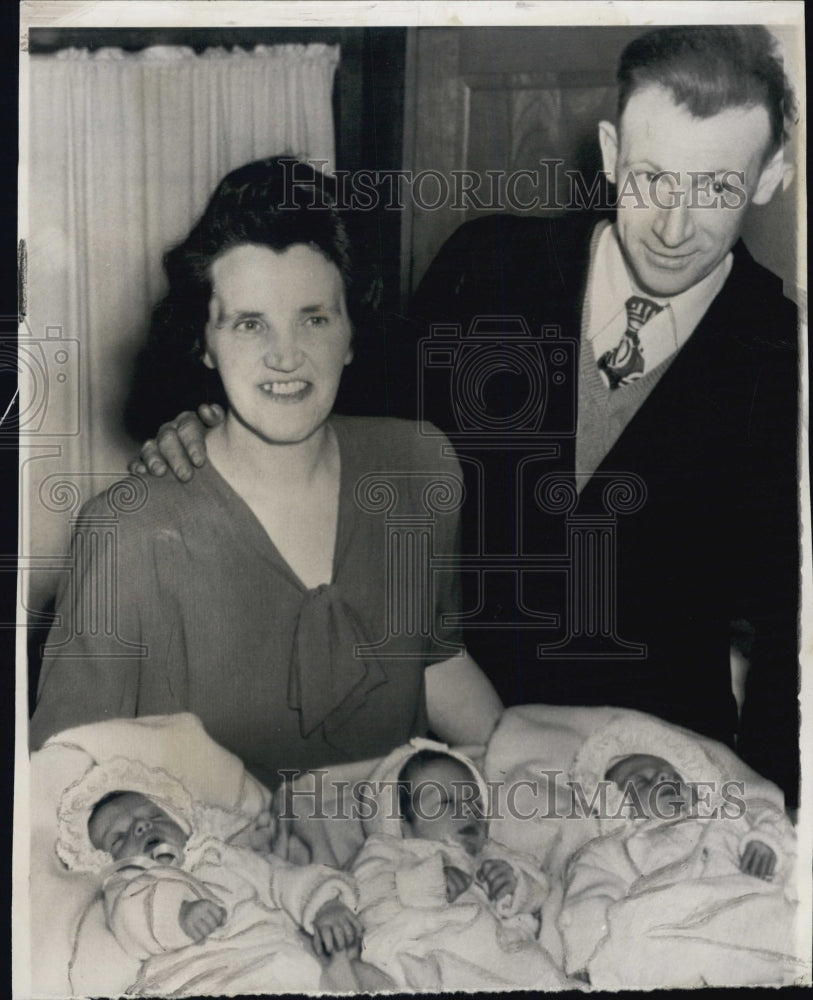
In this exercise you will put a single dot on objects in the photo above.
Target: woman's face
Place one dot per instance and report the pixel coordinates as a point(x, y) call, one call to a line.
point(279, 336)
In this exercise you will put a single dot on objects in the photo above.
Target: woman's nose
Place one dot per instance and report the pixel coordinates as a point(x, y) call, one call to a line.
point(282, 351)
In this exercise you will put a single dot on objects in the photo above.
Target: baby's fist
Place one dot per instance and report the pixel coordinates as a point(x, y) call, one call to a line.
point(758, 860)
point(199, 917)
point(335, 928)
point(498, 877)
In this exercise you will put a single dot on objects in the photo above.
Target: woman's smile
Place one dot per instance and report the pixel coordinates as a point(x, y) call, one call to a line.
point(287, 392)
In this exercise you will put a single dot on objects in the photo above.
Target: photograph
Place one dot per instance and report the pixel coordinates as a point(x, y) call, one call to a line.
point(412, 410)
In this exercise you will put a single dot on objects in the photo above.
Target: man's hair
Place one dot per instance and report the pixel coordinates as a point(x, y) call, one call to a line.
point(708, 69)
point(406, 792)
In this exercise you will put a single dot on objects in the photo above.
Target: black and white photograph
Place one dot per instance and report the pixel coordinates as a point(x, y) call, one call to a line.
point(411, 407)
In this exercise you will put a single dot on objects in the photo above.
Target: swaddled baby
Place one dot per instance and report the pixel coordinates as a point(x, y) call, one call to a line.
point(204, 915)
point(689, 884)
point(443, 907)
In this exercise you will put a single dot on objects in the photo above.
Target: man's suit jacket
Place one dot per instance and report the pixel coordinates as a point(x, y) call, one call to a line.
point(712, 450)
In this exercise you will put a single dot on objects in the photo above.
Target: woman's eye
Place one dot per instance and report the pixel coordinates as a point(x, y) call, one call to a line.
point(318, 320)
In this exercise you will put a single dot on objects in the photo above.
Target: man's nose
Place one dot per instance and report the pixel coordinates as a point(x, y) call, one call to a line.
point(675, 222)
point(282, 351)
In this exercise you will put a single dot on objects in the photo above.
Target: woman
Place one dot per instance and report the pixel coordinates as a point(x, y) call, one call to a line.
point(259, 594)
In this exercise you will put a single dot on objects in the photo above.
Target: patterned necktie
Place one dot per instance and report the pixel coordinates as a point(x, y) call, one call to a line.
point(625, 363)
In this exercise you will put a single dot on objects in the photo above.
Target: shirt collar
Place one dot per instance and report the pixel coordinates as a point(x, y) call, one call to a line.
point(612, 285)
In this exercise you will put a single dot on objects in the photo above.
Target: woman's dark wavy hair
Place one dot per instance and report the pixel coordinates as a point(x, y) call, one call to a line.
point(709, 68)
point(277, 202)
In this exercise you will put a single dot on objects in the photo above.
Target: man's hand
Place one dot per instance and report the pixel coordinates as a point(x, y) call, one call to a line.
point(335, 928)
point(498, 878)
point(758, 860)
point(199, 917)
point(457, 881)
point(179, 445)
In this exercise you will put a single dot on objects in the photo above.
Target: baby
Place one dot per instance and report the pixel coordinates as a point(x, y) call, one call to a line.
point(203, 915)
point(670, 894)
point(443, 907)
point(657, 791)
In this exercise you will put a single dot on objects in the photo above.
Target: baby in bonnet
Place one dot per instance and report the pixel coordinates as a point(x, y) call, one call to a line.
point(690, 882)
point(204, 915)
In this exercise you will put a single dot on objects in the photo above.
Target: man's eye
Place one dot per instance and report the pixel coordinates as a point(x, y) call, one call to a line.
point(248, 326)
point(318, 320)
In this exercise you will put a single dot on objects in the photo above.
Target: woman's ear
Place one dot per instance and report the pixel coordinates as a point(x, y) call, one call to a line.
point(608, 141)
point(348, 356)
point(208, 360)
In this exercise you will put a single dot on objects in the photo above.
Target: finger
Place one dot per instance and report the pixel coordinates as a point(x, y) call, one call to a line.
point(151, 458)
point(191, 433)
point(173, 453)
point(137, 468)
point(771, 866)
point(211, 414)
point(354, 920)
point(338, 937)
point(318, 947)
point(221, 915)
point(327, 940)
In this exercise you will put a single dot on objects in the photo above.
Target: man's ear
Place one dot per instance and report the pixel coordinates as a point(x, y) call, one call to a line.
point(208, 360)
point(773, 174)
point(608, 140)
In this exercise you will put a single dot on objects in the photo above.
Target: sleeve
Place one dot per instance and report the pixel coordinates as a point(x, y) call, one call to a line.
point(301, 890)
point(387, 874)
point(770, 826)
point(766, 570)
point(598, 875)
point(143, 908)
point(90, 673)
point(532, 885)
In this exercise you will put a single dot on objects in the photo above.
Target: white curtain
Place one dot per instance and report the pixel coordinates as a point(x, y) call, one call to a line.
point(122, 153)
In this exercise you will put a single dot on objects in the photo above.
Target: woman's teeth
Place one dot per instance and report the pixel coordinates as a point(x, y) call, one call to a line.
point(283, 388)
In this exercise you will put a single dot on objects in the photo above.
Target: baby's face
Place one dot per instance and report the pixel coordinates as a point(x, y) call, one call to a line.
point(130, 825)
point(658, 786)
point(447, 806)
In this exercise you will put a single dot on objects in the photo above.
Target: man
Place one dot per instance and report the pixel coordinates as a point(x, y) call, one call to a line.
point(684, 380)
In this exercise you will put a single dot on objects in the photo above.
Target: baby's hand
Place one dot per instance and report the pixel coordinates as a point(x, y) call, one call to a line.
point(498, 877)
point(199, 917)
point(262, 833)
point(335, 928)
point(457, 881)
point(758, 860)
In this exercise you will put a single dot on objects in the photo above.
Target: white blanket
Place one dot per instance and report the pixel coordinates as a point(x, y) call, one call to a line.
point(73, 953)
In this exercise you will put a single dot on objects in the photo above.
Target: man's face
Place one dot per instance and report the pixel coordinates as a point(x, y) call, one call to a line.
point(684, 185)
